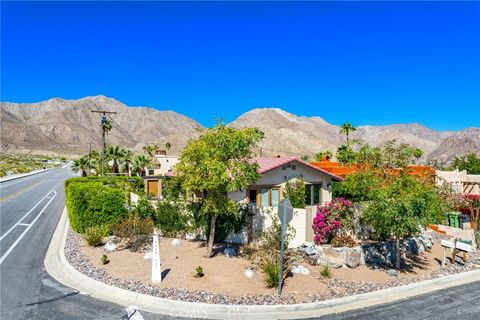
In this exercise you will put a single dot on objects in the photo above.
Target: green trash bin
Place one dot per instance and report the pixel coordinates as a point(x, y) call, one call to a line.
point(453, 219)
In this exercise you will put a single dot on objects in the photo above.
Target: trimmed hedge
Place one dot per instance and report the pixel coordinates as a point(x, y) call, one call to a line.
point(134, 183)
point(93, 203)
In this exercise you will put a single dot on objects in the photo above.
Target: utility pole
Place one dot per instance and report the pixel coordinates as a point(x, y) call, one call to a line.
point(103, 123)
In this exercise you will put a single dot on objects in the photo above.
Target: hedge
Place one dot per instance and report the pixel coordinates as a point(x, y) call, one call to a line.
point(135, 183)
point(93, 203)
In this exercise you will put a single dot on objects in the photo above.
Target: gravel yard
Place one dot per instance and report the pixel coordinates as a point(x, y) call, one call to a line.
point(225, 283)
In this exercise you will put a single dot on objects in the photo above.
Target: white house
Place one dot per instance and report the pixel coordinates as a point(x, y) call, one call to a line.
point(265, 195)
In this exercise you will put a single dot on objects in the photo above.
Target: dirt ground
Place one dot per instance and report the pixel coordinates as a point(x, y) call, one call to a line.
point(226, 275)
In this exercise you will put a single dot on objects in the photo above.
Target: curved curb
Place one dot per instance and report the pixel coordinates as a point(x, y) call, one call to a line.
point(59, 268)
point(23, 175)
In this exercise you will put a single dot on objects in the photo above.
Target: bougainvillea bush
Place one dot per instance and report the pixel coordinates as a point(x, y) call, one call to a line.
point(472, 208)
point(331, 219)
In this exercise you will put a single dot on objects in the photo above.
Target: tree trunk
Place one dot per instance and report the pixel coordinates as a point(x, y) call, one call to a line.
point(84, 173)
point(127, 168)
point(115, 166)
point(397, 253)
point(211, 237)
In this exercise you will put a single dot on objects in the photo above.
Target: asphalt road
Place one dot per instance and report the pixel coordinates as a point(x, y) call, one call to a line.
point(30, 208)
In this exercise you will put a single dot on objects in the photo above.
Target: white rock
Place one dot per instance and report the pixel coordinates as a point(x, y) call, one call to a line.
point(110, 246)
point(249, 273)
point(147, 256)
point(176, 242)
point(300, 270)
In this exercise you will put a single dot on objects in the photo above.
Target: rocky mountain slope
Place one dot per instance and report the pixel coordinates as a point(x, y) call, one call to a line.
point(68, 126)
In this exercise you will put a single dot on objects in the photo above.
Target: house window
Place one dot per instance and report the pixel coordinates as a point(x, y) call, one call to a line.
point(270, 197)
point(294, 167)
point(313, 194)
point(284, 167)
point(252, 195)
point(151, 172)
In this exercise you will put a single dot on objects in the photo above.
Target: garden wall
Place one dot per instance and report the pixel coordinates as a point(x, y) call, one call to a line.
point(261, 220)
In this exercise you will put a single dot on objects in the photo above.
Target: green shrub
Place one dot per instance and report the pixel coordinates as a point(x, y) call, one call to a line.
point(92, 204)
point(104, 259)
point(295, 192)
point(326, 271)
point(134, 231)
point(171, 219)
point(144, 209)
point(271, 237)
point(94, 235)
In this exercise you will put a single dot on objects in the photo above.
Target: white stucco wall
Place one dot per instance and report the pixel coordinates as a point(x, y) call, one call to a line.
point(262, 221)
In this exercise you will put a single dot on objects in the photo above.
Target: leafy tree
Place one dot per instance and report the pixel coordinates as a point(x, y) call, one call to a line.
point(346, 128)
point(469, 162)
point(360, 186)
point(295, 192)
point(346, 155)
point(140, 162)
point(82, 164)
point(401, 208)
point(218, 163)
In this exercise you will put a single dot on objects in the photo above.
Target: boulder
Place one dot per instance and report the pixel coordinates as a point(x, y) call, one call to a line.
point(229, 252)
point(300, 270)
point(352, 257)
point(392, 272)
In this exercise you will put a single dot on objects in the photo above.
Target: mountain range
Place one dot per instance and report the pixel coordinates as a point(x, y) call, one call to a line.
point(69, 127)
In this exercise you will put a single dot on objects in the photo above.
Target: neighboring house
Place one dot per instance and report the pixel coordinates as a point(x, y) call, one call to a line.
point(164, 165)
point(342, 171)
point(460, 181)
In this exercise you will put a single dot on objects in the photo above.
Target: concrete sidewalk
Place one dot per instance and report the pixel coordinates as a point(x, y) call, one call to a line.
point(59, 268)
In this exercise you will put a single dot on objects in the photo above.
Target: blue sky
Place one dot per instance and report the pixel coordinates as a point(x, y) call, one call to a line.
point(365, 63)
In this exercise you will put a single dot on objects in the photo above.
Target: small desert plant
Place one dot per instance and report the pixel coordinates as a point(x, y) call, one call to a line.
point(270, 265)
point(94, 235)
point(343, 241)
point(199, 271)
point(326, 271)
point(135, 231)
point(104, 259)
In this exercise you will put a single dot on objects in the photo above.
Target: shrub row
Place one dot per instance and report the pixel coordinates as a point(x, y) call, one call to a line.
point(94, 202)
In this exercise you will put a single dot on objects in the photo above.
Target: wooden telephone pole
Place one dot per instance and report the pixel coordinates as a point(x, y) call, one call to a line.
point(103, 123)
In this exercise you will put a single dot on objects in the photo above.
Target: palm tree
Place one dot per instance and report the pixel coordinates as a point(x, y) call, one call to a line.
point(150, 149)
point(115, 153)
point(417, 153)
point(127, 157)
point(168, 145)
point(139, 163)
point(82, 164)
point(347, 128)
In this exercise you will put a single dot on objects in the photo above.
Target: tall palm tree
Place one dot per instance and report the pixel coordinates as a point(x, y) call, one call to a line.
point(150, 149)
point(417, 153)
point(347, 128)
point(114, 153)
point(127, 157)
point(140, 162)
point(82, 164)
point(168, 145)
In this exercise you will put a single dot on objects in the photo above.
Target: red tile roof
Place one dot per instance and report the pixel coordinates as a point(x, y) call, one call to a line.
point(268, 164)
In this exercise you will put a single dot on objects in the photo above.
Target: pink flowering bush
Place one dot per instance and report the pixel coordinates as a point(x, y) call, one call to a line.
point(331, 219)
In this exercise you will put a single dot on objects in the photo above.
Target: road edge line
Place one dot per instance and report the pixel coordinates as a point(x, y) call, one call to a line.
point(59, 268)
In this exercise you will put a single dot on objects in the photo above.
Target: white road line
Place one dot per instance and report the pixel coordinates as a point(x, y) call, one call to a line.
point(26, 230)
point(30, 211)
point(23, 224)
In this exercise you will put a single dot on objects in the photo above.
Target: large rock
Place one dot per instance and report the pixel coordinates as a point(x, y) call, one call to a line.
point(352, 257)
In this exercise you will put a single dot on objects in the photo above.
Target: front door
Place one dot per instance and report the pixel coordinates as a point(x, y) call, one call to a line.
point(152, 187)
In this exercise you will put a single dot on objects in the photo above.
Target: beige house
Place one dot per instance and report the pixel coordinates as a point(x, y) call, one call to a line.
point(164, 165)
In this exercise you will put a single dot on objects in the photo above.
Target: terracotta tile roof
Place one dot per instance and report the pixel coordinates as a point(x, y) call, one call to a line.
point(268, 164)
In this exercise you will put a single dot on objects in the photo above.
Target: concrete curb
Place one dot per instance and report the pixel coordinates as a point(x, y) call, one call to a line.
point(58, 267)
point(31, 173)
